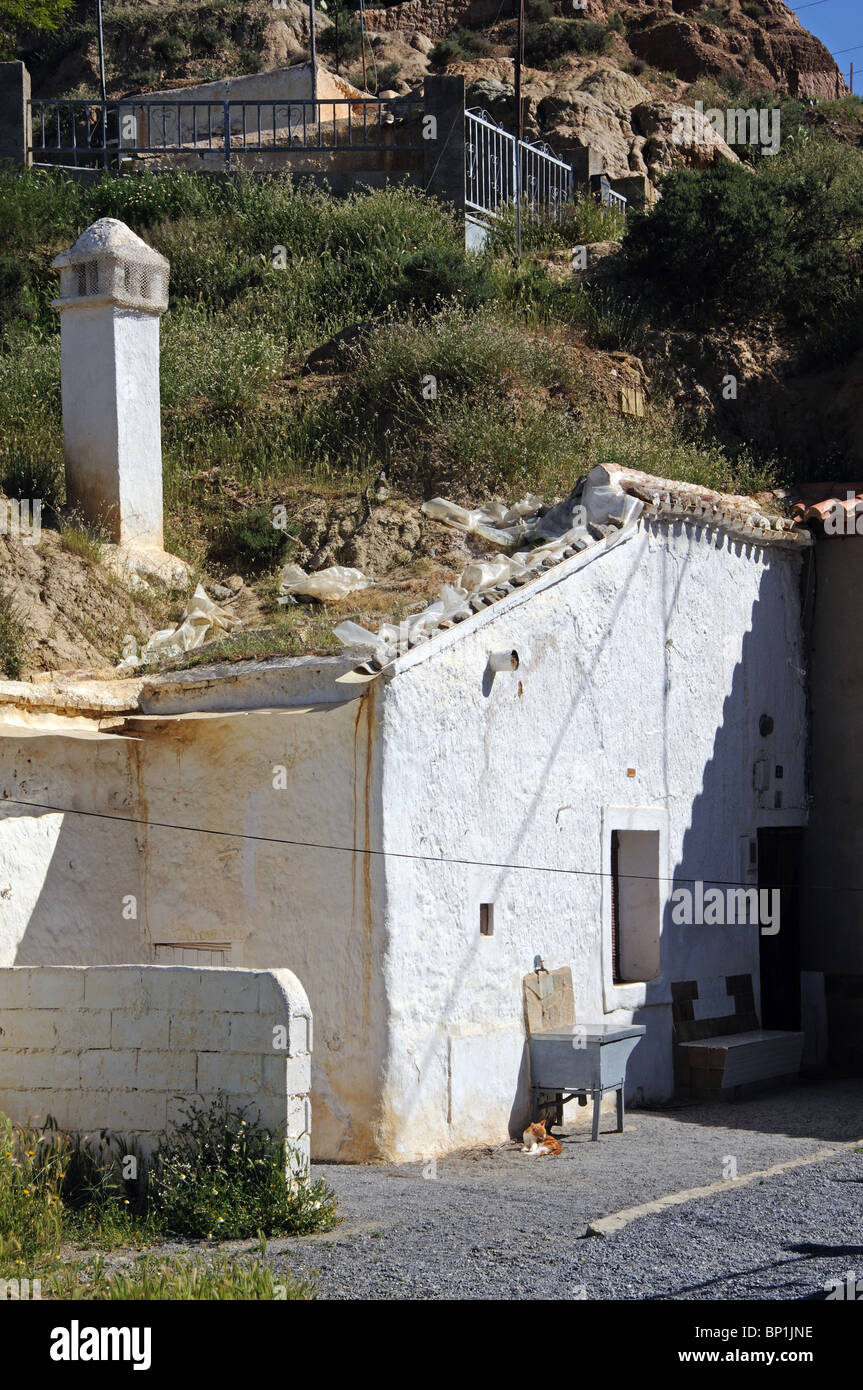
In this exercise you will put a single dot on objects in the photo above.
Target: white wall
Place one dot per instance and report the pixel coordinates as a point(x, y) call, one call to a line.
point(130, 1049)
point(83, 890)
point(658, 657)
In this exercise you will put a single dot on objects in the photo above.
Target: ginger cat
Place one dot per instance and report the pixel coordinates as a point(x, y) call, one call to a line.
point(538, 1141)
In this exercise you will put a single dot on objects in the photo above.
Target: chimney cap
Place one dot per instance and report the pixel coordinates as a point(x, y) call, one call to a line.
point(110, 264)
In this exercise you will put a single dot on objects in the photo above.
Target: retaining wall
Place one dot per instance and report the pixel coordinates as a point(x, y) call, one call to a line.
point(128, 1047)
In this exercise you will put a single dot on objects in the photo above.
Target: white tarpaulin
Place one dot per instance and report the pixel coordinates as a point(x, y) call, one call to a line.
point(496, 523)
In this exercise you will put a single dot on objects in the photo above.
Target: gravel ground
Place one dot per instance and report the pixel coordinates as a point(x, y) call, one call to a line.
point(491, 1223)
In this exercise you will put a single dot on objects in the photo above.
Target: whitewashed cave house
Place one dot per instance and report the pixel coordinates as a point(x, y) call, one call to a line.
point(407, 830)
point(436, 824)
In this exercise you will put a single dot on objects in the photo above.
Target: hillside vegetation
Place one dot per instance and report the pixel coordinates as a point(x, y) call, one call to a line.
point(239, 412)
point(314, 344)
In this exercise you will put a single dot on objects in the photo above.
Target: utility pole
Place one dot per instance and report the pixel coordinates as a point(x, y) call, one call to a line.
point(851, 88)
point(313, 54)
point(101, 55)
point(519, 59)
point(363, 42)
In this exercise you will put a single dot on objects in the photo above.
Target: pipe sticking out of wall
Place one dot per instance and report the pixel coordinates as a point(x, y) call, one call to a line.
point(503, 661)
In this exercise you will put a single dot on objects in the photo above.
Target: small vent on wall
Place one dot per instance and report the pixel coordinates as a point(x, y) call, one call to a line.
point(486, 919)
point(191, 953)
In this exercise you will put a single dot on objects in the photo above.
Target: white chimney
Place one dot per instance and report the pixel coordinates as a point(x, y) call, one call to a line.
point(113, 289)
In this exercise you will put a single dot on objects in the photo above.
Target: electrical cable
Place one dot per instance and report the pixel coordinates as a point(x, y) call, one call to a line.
point(403, 854)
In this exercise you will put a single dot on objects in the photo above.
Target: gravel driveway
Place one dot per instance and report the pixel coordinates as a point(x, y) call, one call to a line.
point(491, 1223)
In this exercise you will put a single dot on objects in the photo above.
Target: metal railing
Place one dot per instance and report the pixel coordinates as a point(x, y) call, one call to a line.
point(491, 171)
point(80, 133)
point(609, 199)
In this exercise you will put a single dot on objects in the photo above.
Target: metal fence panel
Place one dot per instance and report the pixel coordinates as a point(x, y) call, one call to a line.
point(81, 133)
point(491, 174)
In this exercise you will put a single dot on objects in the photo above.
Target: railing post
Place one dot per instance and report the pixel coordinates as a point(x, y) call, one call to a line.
point(226, 112)
point(444, 138)
point(15, 113)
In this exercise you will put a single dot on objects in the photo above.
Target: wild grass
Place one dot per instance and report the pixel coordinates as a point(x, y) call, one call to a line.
point(261, 272)
point(162, 1278)
point(214, 1176)
point(14, 641)
point(83, 541)
point(158, 1279)
point(579, 223)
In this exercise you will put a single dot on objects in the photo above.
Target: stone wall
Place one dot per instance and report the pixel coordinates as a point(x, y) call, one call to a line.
point(127, 1048)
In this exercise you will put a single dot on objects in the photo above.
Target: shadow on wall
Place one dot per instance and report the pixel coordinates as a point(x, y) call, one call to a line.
point(69, 884)
point(747, 754)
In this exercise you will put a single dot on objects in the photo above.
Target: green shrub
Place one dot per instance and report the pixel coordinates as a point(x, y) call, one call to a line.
point(376, 80)
point(251, 540)
point(218, 1176)
point(728, 211)
point(444, 272)
point(458, 47)
point(538, 11)
point(545, 43)
point(344, 39)
point(171, 48)
point(13, 641)
point(785, 241)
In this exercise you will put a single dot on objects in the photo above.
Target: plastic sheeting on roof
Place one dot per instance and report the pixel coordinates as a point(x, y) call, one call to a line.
point(327, 585)
point(561, 530)
point(202, 620)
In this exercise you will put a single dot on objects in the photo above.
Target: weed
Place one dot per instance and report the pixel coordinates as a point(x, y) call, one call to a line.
point(14, 642)
point(81, 540)
point(218, 1176)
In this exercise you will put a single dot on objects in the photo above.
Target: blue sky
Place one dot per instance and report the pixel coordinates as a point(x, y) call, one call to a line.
point(838, 24)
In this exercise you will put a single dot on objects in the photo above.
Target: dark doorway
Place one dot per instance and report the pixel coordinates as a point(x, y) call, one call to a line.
point(778, 860)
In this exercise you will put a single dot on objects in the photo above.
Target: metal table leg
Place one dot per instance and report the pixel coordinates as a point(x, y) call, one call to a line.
point(597, 1105)
point(620, 1109)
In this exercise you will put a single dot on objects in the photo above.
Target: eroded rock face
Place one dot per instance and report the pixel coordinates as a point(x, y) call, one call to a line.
point(602, 108)
point(773, 51)
point(764, 45)
point(286, 38)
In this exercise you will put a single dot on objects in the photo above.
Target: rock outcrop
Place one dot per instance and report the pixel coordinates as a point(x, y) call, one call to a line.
point(597, 106)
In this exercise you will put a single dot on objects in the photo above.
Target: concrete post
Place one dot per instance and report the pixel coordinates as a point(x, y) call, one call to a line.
point(585, 163)
point(14, 113)
point(113, 288)
point(443, 138)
